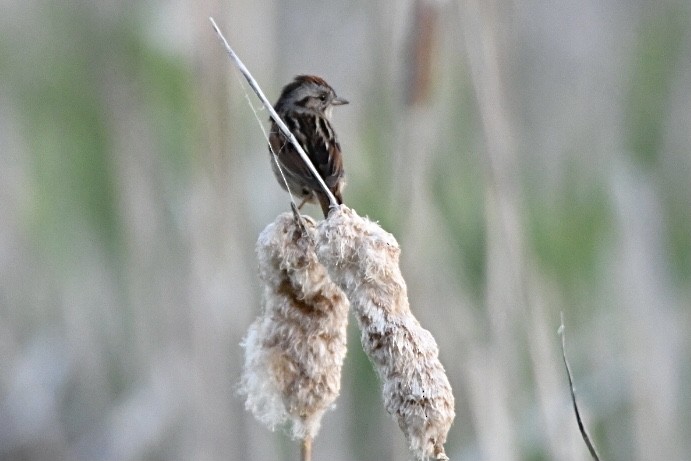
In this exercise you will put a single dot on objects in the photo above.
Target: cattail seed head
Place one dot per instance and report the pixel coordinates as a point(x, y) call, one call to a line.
point(363, 260)
point(294, 351)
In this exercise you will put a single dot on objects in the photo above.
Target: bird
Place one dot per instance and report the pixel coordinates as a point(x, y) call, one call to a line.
point(305, 106)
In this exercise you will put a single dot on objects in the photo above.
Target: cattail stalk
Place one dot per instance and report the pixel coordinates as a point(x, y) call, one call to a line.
point(294, 351)
point(362, 259)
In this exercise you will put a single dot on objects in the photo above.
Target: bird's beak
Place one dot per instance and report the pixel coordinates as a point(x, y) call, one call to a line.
point(339, 101)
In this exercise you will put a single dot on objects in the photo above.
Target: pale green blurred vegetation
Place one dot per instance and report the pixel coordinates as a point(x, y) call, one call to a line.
point(544, 168)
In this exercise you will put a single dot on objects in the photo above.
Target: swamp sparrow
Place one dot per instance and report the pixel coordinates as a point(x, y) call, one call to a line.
point(305, 105)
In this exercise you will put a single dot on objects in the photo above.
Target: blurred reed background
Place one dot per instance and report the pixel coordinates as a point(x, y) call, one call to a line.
point(530, 157)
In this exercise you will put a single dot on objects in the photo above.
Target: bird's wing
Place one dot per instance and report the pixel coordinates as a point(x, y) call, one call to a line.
point(317, 138)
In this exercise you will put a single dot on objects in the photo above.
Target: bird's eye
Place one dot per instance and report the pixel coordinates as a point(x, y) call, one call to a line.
point(322, 97)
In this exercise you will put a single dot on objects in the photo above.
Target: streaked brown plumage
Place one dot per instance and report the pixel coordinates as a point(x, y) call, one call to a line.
point(305, 106)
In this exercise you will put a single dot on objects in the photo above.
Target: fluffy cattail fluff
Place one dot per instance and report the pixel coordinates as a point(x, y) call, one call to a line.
point(363, 260)
point(295, 349)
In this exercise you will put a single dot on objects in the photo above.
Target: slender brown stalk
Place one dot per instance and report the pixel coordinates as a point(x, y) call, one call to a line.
point(581, 426)
point(307, 449)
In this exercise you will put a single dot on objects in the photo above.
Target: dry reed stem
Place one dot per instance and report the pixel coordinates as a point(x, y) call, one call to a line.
point(274, 116)
point(306, 449)
point(579, 421)
point(294, 351)
point(363, 260)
